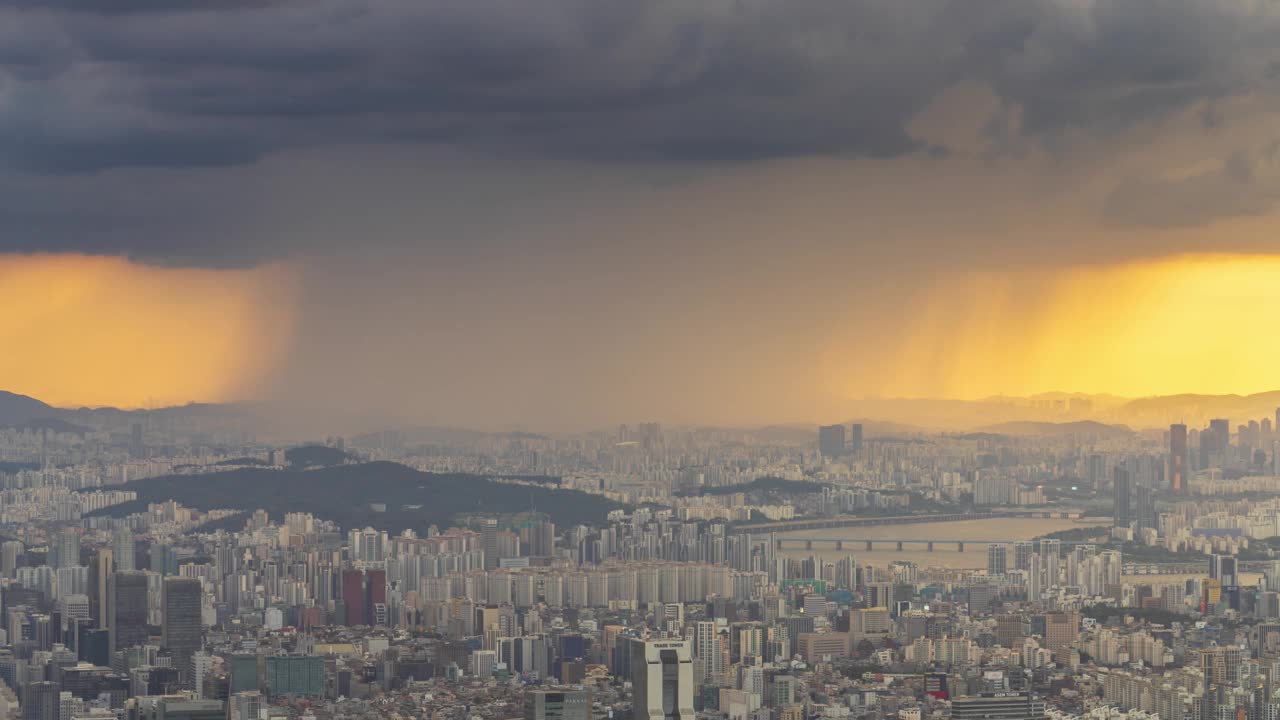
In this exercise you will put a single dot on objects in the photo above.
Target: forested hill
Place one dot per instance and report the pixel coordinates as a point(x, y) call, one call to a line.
point(346, 494)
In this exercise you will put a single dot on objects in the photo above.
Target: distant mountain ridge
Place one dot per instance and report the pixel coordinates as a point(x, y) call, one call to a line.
point(880, 417)
point(1156, 412)
point(18, 409)
point(25, 412)
point(1053, 429)
point(1198, 409)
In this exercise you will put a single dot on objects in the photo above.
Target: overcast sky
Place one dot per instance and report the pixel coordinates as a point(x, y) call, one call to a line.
point(570, 212)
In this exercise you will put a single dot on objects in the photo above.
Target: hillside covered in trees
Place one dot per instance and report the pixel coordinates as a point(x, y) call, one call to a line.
point(348, 494)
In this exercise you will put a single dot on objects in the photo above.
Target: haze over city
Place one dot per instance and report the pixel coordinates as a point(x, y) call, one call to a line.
point(639, 360)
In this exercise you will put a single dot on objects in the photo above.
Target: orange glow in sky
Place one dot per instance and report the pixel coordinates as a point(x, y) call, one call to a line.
point(80, 330)
point(1201, 324)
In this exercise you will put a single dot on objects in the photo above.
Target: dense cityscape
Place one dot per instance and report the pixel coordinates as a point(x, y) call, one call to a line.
point(736, 575)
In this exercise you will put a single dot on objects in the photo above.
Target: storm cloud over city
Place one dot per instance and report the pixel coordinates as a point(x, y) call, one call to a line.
point(709, 212)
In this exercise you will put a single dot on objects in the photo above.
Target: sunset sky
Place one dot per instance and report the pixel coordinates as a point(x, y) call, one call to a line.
point(575, 212)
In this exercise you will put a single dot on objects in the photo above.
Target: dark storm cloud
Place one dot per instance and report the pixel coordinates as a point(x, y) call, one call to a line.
point(1104, 65)
point(736, 80)
point(1247, 182)
point(98, 86)
point(111, 7)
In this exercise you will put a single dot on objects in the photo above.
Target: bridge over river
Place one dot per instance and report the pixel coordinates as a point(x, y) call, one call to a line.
point(928, 544)
point(826, 523)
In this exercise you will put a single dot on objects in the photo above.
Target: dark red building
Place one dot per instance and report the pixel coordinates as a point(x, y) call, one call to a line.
point(353, 596)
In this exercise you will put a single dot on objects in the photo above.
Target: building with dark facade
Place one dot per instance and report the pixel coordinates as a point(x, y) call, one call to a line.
point(181, 631)
point(831, 441)
point(127, 609)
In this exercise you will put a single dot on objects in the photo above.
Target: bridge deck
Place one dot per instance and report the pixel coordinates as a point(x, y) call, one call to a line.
point(855, 521)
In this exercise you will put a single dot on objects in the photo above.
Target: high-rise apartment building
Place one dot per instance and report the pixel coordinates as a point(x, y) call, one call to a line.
point(1178, 458)
point(68, 548)
point(122, 545)
point(1097, 471)
point(1022, 552)
point(10, 552)
point(1121, 492)
point(1061, 629)
point(997, 559)
point(709, 651)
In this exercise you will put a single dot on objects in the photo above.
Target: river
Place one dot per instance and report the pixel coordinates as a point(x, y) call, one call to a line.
point(943, 555)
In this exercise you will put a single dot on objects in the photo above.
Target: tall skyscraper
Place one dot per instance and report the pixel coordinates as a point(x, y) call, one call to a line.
point(489, 538)
point(1214, 443)
point(855, 441)
point(1146, 514)
point(181, 623)
point(831, 441)
point(103, 565)
point(662, 680)
point(1178, 458)
point(122, 545)
point(375, 597)
point(127, 609)
point(136, 449)
point(1120, 489)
